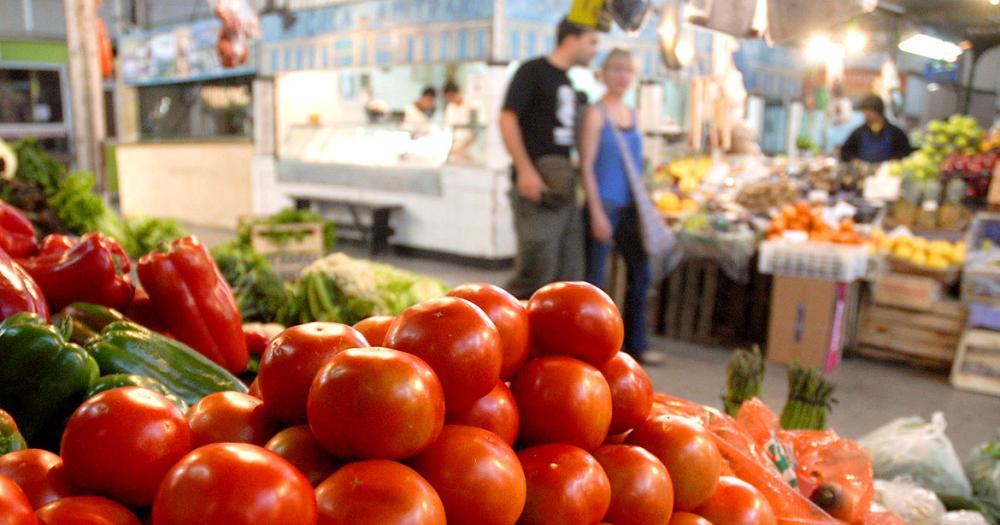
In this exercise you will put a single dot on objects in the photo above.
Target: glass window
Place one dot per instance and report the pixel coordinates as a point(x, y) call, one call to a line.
point(217, 108)
point(30, 96)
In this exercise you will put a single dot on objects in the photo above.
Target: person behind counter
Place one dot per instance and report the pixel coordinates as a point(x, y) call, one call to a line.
point(538, 125)
point(418, 115)
point(877, 140)
point(461, 116)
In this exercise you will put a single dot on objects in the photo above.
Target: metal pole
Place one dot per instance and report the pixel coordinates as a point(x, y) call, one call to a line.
point(77, 84)
point(86, 90)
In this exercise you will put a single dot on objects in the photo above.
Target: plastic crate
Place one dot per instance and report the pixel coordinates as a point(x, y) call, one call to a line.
point(814, 260)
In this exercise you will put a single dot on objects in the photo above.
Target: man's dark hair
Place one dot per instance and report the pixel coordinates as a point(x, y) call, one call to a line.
point(873, 103)
point(567, 29)
point(450, 87)
point(429, 91)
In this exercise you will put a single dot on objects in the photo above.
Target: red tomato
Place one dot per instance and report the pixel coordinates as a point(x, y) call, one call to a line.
point(576, 320)
point(686, 518)
point(736, 502)
point(477, 475)
point(378, 492)
point(39, 473)
point(689, 453)
point(291, 362)
point(121, 442)
point(459, 342)
point(641, 490)
point(616, 439)
point(230, 417)
point(631, 392)
point(375, 328)
point(376, 404)
point(507, 315)
point(14, 506)
point(86, 510)
point(254, 388)
point(299, 447)
point(496, 412)
point(234, 484)
point(562, 400)
point(566, 486)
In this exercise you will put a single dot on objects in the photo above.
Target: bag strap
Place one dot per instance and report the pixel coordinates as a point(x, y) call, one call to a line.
point(631, 168)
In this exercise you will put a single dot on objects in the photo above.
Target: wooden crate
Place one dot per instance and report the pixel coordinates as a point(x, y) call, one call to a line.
point(290, 257)
point(924, 339)
point(688, 301)
point(977, 365)
point(911, 292)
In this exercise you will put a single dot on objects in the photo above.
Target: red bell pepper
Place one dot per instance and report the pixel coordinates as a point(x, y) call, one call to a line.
point(56, 244)
point(18, 291)
point(94, 269)
point(17, 235)
point(195, 303)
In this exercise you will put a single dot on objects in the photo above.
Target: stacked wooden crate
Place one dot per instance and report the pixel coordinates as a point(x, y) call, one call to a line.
point(908, 321)
point(977, 366)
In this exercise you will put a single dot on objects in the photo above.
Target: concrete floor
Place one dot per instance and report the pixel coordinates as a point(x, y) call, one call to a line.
point(869, 393)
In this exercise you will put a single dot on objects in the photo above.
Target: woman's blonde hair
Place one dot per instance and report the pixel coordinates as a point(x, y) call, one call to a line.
point(616, 54)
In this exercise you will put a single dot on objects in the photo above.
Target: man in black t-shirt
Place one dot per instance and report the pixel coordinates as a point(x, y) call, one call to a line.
point(538, 125)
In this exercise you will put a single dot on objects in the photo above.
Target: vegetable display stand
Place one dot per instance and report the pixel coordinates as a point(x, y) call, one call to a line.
point(288, 247)
point(926, 337)
point(977, 365)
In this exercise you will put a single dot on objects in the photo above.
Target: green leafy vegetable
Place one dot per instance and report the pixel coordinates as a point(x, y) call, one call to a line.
point(78, 207)
point(260, 294)
point(147, 233)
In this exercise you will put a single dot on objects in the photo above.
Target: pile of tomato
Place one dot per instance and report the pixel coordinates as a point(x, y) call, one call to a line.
point(474, 408)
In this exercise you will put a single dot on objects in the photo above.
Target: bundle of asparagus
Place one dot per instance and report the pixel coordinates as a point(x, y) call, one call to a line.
point(810, 398)
point(744, 377)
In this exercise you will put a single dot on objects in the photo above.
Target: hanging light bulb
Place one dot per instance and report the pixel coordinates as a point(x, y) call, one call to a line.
point(855, 41)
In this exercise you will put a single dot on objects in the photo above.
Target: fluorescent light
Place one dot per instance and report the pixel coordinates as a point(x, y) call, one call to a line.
point(819, 48)
point(994, 2)
point(856, 41)
point(684, 52)
point(931, 47)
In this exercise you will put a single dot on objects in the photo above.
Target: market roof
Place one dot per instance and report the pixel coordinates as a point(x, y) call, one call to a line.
point(958, 19)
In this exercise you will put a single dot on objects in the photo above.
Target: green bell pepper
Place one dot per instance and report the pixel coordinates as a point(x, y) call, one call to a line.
point(10, 437)
point(113, 381)
point(127, 348)
point(43, 377)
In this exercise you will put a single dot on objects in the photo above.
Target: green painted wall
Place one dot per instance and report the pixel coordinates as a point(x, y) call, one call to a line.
point(34, 51)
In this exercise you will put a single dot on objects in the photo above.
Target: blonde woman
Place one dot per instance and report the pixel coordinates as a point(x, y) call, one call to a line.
point(610, 132)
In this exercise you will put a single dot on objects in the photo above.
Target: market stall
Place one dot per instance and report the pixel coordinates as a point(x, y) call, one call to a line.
point(186, 129)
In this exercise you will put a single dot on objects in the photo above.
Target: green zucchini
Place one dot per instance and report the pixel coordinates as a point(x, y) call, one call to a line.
point(127, 348)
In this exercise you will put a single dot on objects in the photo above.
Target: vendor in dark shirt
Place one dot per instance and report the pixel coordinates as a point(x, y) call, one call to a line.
point(877, 140)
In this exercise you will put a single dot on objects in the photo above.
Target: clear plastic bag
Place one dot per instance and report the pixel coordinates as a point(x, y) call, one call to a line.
point(983, 469)
point(918, 450)
point(913, 504)
point(964, 517)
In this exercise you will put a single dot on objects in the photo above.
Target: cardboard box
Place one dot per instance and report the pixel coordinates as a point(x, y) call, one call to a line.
point(811, 321)
point(911, 292)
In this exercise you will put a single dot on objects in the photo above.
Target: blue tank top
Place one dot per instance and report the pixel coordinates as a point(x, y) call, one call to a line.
point(609, 167)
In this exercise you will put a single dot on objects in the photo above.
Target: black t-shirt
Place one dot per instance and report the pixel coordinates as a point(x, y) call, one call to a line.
point(544, 101)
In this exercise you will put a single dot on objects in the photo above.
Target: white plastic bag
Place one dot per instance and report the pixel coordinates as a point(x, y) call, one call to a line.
point(983, 468)
point(915, 505)
point(964, 517)
point(918, 450)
